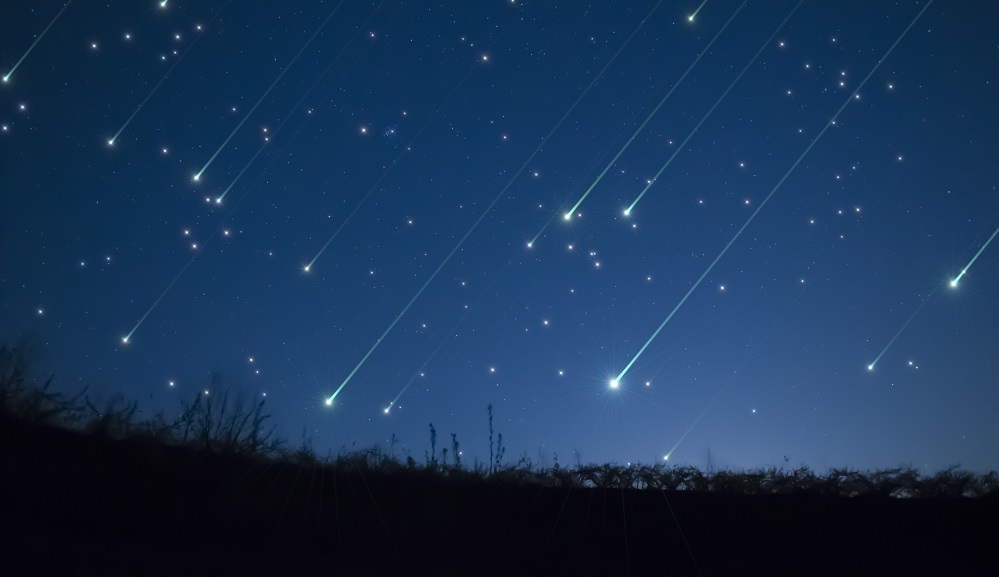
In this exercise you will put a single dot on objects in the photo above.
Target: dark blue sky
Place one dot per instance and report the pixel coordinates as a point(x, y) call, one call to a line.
point(415, 117)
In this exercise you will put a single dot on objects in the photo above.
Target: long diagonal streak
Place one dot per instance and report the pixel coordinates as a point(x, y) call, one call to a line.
point(769, 196)
point(329, 401)
point(268, 91)
point(720, 98)
point(964, 270)
point(6, 77)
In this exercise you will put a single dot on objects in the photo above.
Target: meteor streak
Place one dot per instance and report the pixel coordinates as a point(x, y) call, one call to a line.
point(694, 15)
point(6, 77)
point(336, 58)
point(871, 366)
point(572, 211)
point(652, 181)
point(486, 211)
point(772, 192)
point(450, 334)
point(964, 270)
point(112, 140)
point(197, 176)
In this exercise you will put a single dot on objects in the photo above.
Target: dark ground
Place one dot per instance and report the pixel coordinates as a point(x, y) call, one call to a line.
point(76, 504)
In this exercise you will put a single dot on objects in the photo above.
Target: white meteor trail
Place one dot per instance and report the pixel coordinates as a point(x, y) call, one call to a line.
point(197, 176)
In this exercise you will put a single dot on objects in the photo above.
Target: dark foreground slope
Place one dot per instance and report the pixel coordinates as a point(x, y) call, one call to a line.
point(73, 504)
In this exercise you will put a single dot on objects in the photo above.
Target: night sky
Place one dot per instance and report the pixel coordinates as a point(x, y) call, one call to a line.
point(369, 177)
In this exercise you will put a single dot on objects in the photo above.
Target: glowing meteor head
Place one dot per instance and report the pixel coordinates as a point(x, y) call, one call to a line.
point(305, 268)
point(870, 367)
point(124, 340)
point(690, 18)
point(218, 200)
point(614, 383)
point(111, 142)
point(196, 178)
point(329, 402)
point(387, 409)
point(6, 77)
point(530, 245)
point(627, 212)
point(953, 283)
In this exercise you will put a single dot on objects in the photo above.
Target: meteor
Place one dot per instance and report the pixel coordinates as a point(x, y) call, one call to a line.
point(112, 140)
point(694, 15)
point(395, 161)
point(319, 78)
point(450, 334)
point(487, 210)
point(197, 176)
point(772, 192)
point(127, 338)
point(964, 270)
point(568, 214)
point(652, 181)
point(871, 366)
point(6, 77)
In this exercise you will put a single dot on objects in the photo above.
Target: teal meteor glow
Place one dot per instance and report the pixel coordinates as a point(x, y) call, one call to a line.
point(694, 15)
point(964, 270)
point(648, 118)
point(6, 77)
point(652, 181)
point(772, 192)
point(197, 176)
point(112, 140)
point(871, 366)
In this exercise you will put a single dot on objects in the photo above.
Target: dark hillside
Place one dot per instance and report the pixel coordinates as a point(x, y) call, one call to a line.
point(78, 504)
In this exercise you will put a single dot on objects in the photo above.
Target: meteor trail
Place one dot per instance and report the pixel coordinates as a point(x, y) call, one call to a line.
point(694, 15)
point(720, 98)
point(964, 270)
point(112, 140)
point(870, 367)
point(268, 91)
point(450, 334)
point(570, 212)
point(769, 196)
point(336, 58)
point(485, 212)
point(6, 77)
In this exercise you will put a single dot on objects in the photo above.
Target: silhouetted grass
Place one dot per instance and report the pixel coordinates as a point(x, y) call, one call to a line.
point(217, 421)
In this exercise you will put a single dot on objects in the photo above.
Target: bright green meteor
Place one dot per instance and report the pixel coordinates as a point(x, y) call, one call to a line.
point(772, 192)
point(964, 270)
point(197, 176)
point(694, 15)
point(720, 98)
point(6, 77)
point(484, 213)
point(572, 211)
